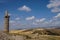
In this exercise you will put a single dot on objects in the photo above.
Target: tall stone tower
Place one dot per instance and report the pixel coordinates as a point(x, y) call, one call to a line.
point(6, 24)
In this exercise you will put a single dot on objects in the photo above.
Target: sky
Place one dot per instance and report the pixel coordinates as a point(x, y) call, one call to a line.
point(30, 13)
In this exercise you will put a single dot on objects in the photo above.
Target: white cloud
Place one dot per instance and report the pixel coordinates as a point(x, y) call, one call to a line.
point(57, 16)
point(30, 18)
point(41, 20)
point(9, 14)
point(34, 22)
point(55, 5)
point(24, 8)
point(46, 23)
point(55, 21)
point(55, 9)
point(17, 18)
point(12, 21)
point(15, 22)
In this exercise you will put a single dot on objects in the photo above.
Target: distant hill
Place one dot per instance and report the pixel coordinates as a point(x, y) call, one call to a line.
point(34, 36)
point(45, 31)
point(39, 31)
point(57, 28)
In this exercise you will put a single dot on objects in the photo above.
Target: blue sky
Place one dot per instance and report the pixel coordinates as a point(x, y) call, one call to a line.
point(30, 13)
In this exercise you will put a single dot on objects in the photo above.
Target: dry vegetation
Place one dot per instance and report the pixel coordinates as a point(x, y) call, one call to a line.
point(39, 31)
point(32, 34)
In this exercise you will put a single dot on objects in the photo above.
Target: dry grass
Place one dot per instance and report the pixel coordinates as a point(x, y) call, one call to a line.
point(44, 37)
point(32, 34)
point(4, 36)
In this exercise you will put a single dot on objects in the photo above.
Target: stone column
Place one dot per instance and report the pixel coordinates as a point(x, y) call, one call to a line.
point(6, 19)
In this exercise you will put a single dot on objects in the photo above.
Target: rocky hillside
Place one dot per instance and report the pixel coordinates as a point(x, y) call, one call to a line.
point(48, 32)
point(4, 36)
point(32, 34)
point(39, 31)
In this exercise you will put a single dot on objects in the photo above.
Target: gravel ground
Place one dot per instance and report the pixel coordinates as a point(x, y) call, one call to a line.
point(4, 36)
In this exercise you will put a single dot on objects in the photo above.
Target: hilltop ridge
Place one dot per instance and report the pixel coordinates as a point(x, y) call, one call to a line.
point(40, 31)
